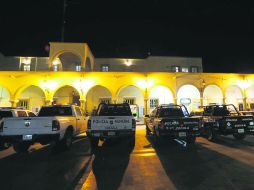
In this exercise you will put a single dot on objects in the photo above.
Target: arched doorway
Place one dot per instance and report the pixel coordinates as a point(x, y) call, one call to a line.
point(95, 96)
point(31, 98)
point(250, 97)
point(189, 96)
point(212, 95)
point(132, 95)
point(66, 95)
point(159, 95)
point(67, 62)
point(4, 97)
point(234, 96)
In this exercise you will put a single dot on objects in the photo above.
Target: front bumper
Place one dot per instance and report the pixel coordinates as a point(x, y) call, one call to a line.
point(110, 134)
point(40, 138)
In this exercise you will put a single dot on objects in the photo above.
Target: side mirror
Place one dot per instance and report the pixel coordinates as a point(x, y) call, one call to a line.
point(147, 116)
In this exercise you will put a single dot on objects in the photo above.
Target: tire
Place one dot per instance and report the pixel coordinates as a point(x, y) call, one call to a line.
point(66, 142)
point(239, 136)
point(4, 145)
point(21, 147)
point(191, 140)
point(148, 132)
point(210, 134)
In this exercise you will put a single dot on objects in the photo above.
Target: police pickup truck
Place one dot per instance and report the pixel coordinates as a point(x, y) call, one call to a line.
point(172, 122)
point(57, 124)
point(226, 120)
point(111, 121)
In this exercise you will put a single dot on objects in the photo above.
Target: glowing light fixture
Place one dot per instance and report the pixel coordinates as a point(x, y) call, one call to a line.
point(49, 85)
point(56, 61)
point(84, 85)
point(128, 63)
point(144, 84)
point(26, 60)
point(244, 84)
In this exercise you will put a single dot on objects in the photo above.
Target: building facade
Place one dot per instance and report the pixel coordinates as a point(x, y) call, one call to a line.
point(71, 75)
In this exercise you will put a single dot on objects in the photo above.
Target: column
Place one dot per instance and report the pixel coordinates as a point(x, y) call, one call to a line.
point(14, 103)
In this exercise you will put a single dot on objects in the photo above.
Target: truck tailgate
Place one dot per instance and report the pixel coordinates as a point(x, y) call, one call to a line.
point(22, 126)
point(111, 123)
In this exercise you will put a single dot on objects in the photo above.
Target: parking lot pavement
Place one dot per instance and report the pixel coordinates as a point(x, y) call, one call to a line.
point(226, 164)
point(42, 168)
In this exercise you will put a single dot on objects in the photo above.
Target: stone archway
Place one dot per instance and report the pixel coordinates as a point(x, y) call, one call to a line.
point(212, 94)
point(66, 95)
point(95, 96)
point(132, 95)
point(159, 95)
point(189, 96)
point(4, 97)
point(31, 98)
point(234, 96)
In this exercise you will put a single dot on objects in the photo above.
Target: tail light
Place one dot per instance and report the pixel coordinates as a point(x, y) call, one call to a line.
point(133, 123)
point(1, 126)
point(55, 125)
point(89, 124)
point(161, 125)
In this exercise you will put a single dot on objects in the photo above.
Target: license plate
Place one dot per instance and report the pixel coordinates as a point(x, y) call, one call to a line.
point(96, 134)
point(240, 130)
point(27, 137)
point(111, 133)
point(182, 134)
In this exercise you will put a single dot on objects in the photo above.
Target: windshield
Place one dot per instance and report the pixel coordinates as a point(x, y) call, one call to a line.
point(173, 111)
point(55, 111)
point(5, 114)
point(114, 110)
point(221, 110)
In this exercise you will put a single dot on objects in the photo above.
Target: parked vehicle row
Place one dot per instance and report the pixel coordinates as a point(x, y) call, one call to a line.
point(58, 124)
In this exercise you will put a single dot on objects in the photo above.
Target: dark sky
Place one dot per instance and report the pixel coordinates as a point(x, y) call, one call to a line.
point(219, 31)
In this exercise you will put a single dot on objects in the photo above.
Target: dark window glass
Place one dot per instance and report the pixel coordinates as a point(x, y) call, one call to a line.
point(114, 110)
point(171, 112)
point(21, 114)
point(5, 114)
point(55, 111)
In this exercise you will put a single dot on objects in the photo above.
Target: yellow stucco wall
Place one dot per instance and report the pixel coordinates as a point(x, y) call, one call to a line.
point(49, 82)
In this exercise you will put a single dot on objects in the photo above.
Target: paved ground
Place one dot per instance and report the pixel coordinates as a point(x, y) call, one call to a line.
point(226, 164)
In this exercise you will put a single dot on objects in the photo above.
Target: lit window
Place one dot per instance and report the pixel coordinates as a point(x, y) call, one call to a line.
point(55, 67)
point(154, 102)
point(175, 69)
point(130, 101)
point(26, 67)
point(78, 67)
point(194, 69)
point(104, 68)
point(185, 69)
point(105, 100)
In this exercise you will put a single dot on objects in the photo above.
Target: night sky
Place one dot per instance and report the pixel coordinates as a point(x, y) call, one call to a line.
point(221, 32)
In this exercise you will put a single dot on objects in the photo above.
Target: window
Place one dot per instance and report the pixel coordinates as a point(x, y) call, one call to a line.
point(78, 67)
point(104, 68)
point(78, 112)
point(21, 114)
point(194, 69)
point(55, 67)
point(185, 69)
point(105, 100)
point(26, 67)
point(154, 102)
point(23, 103)
point(130, 101)
point(175, 69)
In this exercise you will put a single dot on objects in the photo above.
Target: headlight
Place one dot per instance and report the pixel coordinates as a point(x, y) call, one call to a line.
point(251, 123)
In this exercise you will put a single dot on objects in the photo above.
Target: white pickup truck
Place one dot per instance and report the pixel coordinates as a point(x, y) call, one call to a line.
point(57, 124)
point(111, 121)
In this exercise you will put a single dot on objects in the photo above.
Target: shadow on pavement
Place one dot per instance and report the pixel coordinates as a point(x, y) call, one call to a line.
point(198, 167)
point(110, 163)
point(43, 168)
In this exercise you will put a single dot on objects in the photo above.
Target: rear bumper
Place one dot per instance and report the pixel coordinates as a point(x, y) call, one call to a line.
point(42, 138)
point(179, 134)
point(110, 134)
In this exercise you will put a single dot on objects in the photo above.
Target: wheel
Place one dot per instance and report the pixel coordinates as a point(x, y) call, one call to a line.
point(191, 140)
point(239, 136)
point(66, 142)
point(210, 134)
point(94, 142)
point(21, 147)
point(148, 132)
point(4, 145)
